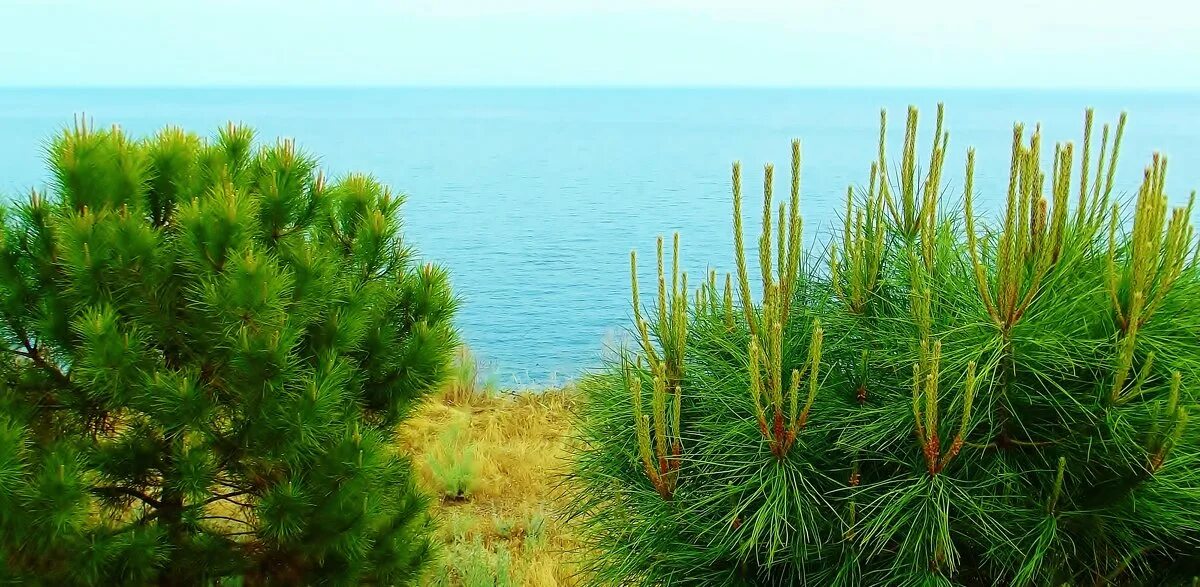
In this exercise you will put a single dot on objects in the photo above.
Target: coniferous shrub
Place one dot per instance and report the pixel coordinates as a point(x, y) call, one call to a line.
point(934, 399)
point(208, 349)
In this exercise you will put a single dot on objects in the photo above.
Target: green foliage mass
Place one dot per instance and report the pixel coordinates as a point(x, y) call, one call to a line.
point(207, 350)
point(934, 399)
point(452, 463)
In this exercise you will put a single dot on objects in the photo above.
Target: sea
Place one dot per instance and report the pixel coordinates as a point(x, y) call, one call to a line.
point(534, 197)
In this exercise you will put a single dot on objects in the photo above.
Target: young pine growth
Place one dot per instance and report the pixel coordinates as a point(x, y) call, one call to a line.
point(925, 409)
point(1022, 256)
point(983, 339)
point(918, 203)
point(779, 270)
point(1036, 231)
point(1095, 197)
point(1156, 258)
point(777, 426)
point(660, 454)
point(670, 327)
point(1163, 438)
point(660, 446)
point(1157, 253)
point(855, 273)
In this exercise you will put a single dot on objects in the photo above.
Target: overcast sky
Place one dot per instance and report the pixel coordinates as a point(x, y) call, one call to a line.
point(942, 43)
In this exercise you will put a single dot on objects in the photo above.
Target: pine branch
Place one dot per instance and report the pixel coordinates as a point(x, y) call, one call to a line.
point(227, 518)
point(225, 497)
point(142, 521)
point(33, 353)
point(116, 491)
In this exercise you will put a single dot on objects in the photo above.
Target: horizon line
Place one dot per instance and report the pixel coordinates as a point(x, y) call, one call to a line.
point(602, 86)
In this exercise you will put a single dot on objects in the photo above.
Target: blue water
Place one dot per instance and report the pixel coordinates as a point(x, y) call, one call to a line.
point(534, 197)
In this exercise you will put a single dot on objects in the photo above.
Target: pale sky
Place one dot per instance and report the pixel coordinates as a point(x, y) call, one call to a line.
point(938, 43)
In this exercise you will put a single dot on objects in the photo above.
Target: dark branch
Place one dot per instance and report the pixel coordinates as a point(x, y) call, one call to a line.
point(109, 491)
point(246, 533)
point(227, 518)
point(225, 497)
point(232, 485)
point(136, 523)
point(20, 353)
point(34, 354)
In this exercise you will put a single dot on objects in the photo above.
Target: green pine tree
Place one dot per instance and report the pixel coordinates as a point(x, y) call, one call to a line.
point(209, 347)
point(934, 399)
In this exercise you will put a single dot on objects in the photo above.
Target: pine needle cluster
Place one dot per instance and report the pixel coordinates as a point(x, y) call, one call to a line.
point(208, 347)
point(988, 403)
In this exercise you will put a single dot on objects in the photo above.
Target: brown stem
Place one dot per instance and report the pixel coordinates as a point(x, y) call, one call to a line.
point(955, 447)
point(112, 491)
point(931, 452)
point(227, 518)
point(224, 497)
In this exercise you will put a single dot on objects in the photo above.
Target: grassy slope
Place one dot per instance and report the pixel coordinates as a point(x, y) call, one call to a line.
point(505, 454)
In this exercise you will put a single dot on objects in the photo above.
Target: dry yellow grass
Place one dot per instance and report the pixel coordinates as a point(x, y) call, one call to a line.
point(505, 455)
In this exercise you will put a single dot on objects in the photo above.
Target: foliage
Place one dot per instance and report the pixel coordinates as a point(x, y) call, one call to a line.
point(474, 565)
point(452, 463)
point(517, 440)
point(476, 568)
point(953, 402)
point(208, 349)
point(463, 385)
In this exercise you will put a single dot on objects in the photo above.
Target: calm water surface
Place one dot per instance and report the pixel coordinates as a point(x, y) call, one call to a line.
point(534, 197)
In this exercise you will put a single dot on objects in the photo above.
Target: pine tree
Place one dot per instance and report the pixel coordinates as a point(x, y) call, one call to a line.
point(935, 400)
point(209, 347)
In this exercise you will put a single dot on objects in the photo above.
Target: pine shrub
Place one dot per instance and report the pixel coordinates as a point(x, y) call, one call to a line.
point(209, 347)
point(933, 399)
